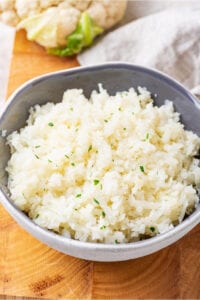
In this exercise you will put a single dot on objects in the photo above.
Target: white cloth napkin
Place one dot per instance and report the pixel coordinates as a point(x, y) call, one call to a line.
point(168, 40)
point(7, 35)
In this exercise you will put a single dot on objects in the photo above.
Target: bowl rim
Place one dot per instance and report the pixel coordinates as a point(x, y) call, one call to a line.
point(20, 216)
point(153, 71)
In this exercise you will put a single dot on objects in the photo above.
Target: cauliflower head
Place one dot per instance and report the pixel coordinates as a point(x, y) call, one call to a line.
point(63, 27)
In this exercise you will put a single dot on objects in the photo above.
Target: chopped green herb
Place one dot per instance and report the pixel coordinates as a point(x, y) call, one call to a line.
point(96, 181)
point(96, 201)
point(103, 214)
point(116, 242)
point(142, 169)
point(38, 146)
point(66, 156)
point(106, 121)
point(103, 227)
point(50, 161)
point(120, 109)
point(71, 108)
point(152, 229)
point(78, 195)
point(73, 164)
point(76, 129)
point(146, 137)
point(90, 148)
point(37, 216)
point(37, 156)
point(101, 186)
point(51, 124)
point(75, 209)
point(124, 128)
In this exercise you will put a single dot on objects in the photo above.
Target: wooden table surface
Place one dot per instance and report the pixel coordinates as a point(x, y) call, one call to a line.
point(30, 269)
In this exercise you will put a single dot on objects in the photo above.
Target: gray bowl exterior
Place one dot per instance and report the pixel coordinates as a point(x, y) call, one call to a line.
point(114, 77)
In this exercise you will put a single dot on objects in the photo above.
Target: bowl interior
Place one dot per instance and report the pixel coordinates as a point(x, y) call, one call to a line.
point(113, 77)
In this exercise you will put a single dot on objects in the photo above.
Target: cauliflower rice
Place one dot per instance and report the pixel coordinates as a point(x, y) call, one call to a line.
point(113, 169)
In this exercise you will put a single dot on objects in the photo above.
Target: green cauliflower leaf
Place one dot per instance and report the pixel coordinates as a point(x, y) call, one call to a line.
point(82, 37)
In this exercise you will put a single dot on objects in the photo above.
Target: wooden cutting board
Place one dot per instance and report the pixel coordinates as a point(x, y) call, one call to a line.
point(30, 269)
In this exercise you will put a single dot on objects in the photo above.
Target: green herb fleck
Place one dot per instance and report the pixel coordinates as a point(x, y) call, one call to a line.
point(117, 242)
point(124, 128)
point(75, 209)
point(101, 186)
point(106, 121)
point(37, 216)
point(71, 108)
point(96, 201)
point(50, 161)
point(142, 169)
point(96, 181)
point(51, 124)
point(38, 146)
point(103, 214)
point(66, 156)
point(89, 148)
point(152, 229)
point(103, 227)
point(78, 195)
point(73, 164)
point(76, 129)
point(37, 156)
point(120, 109)
point(146, 137)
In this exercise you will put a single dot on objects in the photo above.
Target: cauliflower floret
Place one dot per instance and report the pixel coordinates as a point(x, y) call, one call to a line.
point(67, 21)
point(27, 8)
point(7, 5)
point(106, 13)
point(51, 27)
point(9, 17)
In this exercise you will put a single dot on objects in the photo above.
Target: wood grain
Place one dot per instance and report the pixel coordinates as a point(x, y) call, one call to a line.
point(30, 60)
point(29, 269)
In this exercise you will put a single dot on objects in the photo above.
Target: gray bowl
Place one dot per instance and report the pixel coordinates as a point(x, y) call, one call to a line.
point(114, 77)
